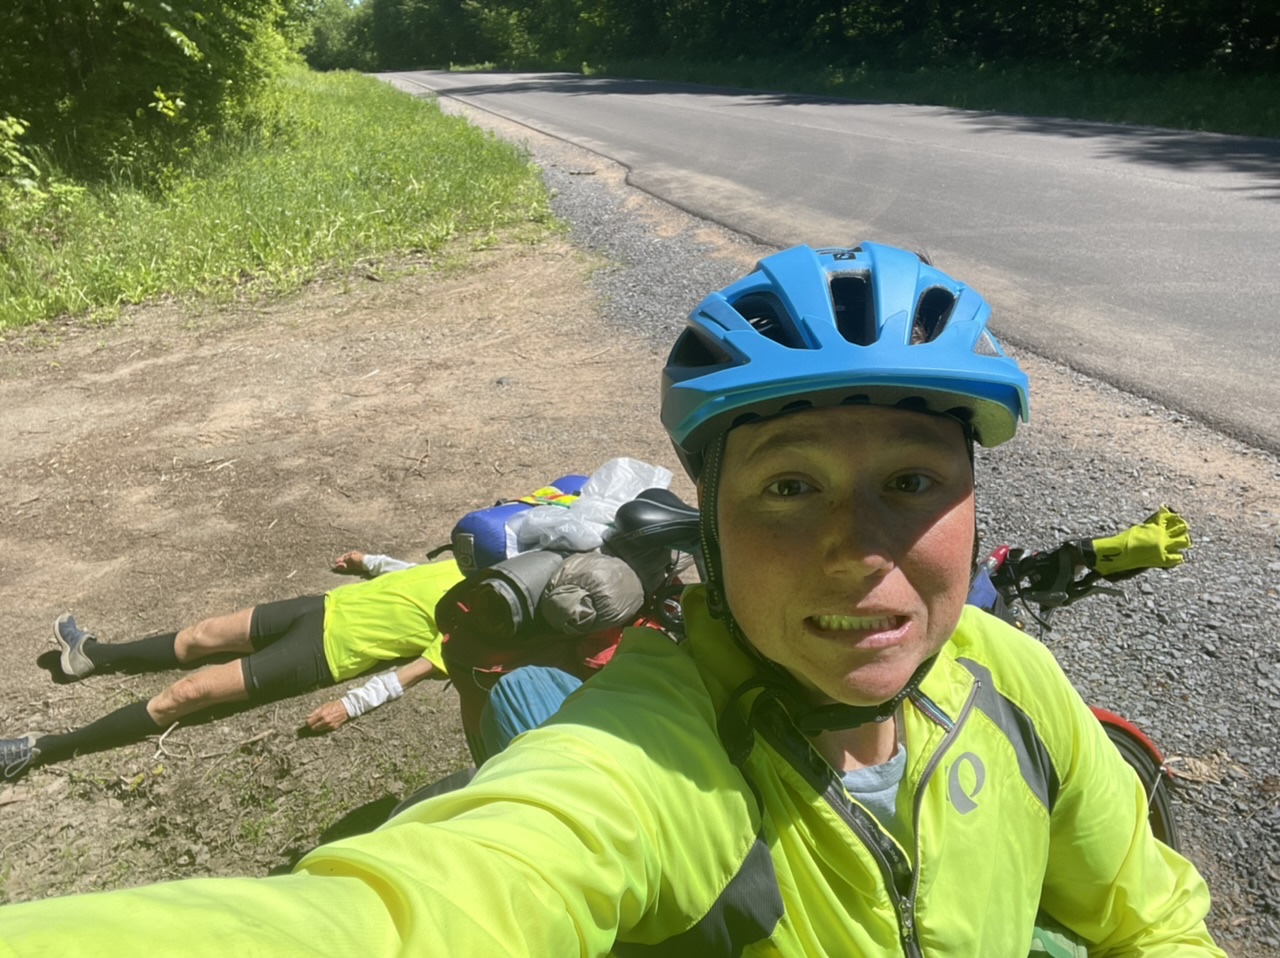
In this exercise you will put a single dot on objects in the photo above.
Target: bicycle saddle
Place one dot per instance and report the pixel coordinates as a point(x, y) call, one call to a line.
point(656, 518)
point(647, 530)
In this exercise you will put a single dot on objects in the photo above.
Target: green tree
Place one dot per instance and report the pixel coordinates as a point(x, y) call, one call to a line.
point(339, 36)
point(103, 82)
point(431, 33)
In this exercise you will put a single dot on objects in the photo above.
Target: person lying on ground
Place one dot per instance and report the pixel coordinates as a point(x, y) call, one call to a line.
point(284, 649)
point(840, 759)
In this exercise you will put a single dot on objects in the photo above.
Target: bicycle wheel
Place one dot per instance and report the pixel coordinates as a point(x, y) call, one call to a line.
point(1154, 781)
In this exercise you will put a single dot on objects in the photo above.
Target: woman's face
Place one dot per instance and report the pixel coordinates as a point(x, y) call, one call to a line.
point(846, 539)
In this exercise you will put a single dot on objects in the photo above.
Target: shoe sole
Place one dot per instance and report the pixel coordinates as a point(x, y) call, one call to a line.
point(65, 660)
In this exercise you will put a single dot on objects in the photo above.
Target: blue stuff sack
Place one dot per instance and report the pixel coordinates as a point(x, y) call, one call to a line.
point(479, 539)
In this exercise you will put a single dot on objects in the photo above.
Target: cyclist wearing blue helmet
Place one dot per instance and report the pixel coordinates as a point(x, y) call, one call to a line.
point(842, 759)
point(872, 338)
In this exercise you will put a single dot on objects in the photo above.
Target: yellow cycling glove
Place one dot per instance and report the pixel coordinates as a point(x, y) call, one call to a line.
point(1157, 543)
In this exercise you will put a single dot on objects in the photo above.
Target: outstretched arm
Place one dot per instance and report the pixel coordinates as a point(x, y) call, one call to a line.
point(406, 893)
point(367, 564)
point(377, 691)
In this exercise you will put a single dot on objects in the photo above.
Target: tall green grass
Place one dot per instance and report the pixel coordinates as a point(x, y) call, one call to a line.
point(351, 169)
point(1247, 105)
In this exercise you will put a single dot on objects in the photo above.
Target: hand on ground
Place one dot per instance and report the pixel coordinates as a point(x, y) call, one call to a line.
point(350, 563)
point(327, 717)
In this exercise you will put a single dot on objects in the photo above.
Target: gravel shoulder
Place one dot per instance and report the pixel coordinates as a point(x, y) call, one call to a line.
point(180, 464)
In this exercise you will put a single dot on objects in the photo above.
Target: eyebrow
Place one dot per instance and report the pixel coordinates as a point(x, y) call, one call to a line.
point(805, 439)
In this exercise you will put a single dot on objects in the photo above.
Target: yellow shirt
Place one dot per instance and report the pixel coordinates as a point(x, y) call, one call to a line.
point(387, 618)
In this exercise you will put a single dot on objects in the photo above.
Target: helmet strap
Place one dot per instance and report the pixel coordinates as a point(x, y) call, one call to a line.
point(832, 718)
point(709, 527)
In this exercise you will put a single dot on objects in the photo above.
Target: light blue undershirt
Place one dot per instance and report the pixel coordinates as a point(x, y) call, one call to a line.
point(876, 787)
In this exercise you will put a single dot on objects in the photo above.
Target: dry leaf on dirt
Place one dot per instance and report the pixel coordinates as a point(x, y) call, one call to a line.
point(1210, 769)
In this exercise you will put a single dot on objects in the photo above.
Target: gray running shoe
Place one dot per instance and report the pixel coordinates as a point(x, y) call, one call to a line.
point(71, 639)
point(16, 754)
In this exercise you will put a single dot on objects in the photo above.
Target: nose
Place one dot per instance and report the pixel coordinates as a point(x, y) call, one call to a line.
point(857, 541)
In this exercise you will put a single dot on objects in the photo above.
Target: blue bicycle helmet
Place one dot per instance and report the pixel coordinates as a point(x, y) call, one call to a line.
point(872, 324)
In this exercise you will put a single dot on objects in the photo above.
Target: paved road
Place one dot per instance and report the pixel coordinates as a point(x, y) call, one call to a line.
point(1149, 258)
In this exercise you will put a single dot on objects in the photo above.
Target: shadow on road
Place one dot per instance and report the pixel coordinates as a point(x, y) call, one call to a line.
point(1206, 152)
point(1184, 149)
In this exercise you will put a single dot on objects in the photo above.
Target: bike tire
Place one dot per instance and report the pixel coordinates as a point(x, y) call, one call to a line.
point(1154, 782)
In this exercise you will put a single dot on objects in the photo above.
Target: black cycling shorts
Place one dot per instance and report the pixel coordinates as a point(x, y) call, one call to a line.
point(288, 649)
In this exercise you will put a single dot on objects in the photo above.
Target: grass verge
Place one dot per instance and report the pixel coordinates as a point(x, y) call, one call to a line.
point(351, 170)
point(1192, 101)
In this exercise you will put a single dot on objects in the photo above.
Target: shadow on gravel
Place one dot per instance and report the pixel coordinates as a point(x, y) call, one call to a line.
point(50, 662)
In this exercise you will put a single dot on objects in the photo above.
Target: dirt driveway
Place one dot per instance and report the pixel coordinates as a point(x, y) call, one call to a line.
point(171, 467)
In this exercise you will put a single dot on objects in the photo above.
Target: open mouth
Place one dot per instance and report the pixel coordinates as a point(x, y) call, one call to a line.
point(855, 623)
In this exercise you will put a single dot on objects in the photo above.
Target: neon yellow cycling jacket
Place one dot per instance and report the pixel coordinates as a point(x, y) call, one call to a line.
point(622, 827)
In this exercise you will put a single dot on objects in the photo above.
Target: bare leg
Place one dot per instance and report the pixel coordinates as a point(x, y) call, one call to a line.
point(221, 633)
point(130, 723)
point(213, 685)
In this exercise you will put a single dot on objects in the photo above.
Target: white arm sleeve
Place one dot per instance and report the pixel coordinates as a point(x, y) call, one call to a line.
point(382, 688)
point(376, 565)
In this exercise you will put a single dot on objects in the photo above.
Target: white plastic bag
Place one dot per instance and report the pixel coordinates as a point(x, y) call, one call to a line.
point(587, 522)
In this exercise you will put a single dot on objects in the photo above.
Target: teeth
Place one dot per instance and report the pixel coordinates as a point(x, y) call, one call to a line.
point(849, 623)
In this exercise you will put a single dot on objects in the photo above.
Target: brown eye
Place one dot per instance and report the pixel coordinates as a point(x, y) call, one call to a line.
point(913, 483)
point(788, 487)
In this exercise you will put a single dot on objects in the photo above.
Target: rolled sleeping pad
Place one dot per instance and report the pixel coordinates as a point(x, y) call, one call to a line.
point(497, 604)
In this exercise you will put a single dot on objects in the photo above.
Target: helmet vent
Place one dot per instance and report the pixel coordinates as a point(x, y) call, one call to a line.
point(986, 346)
point(931, 315)
point(855, 314)
point(767, 316)
point(692, 351)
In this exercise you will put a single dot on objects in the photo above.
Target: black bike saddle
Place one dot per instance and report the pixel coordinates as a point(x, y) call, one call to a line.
point(656, 518)
point(648, 529)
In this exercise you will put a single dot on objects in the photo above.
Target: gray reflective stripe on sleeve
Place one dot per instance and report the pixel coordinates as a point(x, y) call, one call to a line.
point(1033, 758)
point(746, 912)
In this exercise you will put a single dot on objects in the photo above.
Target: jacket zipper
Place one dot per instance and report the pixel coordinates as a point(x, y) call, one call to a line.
point(895, 870)
point(892, 864)
point(894, 867)
point(908, 926)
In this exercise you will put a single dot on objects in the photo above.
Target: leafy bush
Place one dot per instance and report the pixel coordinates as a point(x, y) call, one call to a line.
point(343, 168)
point(18, 171)
point(112, 84)
point(340, 37)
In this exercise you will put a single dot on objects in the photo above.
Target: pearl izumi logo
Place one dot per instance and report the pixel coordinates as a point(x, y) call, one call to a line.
point(965, 781)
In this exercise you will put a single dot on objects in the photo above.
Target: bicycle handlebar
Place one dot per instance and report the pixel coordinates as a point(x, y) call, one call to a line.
point(1049, 580)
